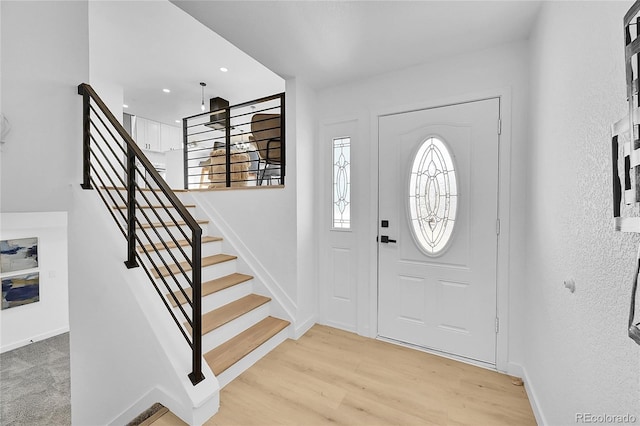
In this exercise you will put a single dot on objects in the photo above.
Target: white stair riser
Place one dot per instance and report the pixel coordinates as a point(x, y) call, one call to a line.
point(208, 249)
point(239, 367)
point(220, 298)
point(161, 215)
point(228, 295)
point(140, 197)
point(209, 273)
point(220, 335)
point(167, 233)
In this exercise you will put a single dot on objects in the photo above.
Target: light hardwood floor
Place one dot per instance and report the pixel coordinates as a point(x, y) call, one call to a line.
point(332, 376)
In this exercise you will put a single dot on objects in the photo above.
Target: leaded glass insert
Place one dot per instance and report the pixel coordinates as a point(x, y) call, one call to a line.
point(433, 196)
point(342, 183)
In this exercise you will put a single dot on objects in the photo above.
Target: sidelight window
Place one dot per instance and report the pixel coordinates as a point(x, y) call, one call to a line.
point(342, 183)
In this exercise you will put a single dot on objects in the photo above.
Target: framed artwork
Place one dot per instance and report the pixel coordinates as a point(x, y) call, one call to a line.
point(20, 290)
point(18, 254)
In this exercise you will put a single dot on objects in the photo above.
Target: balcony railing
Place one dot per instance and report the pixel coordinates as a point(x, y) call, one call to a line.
point(238, 146)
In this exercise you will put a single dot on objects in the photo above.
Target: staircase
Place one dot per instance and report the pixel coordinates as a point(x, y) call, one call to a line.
point(237, 328)
point(200, 285)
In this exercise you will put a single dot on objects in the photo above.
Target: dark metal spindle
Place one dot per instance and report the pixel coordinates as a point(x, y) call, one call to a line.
point(131, 209)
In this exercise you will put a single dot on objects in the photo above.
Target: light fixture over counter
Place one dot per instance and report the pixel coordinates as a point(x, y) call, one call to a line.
point(202, 107)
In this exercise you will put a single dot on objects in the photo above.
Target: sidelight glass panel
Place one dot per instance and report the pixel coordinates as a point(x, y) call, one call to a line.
point(342, 183)
point(433, 196)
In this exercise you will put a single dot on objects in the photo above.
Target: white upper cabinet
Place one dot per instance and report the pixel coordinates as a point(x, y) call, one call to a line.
point(170, 137)
point(154, 136)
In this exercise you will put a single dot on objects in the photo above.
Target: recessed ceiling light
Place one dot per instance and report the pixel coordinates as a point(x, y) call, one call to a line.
point(166, 90)
point(125, 106)
point(177, 121)
point(223, 69)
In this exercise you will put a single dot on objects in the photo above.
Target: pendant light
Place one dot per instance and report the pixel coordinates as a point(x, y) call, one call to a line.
point(202, 107)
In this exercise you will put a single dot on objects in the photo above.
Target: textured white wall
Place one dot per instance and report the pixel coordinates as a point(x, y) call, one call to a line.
point(460, 77)
point(45, 55)
point(578, 357)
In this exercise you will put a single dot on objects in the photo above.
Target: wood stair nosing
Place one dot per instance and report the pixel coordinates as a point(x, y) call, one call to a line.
point(236, 348)
point(210, 287)
point(206, 261)
point(172, 244)
point(227, 313)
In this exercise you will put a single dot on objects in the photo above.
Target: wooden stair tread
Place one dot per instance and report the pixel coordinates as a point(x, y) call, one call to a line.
point(211, 287)
point(233, 350)
point(189, 206)
point(230, 311)
point(171, 223)
point(172, 244)
point(206, 261)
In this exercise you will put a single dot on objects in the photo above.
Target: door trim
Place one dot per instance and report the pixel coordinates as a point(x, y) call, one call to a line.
point(504, 190)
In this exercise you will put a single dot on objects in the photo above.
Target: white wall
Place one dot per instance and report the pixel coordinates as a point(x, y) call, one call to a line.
point(578, 357)
point(500, 70)
point(49, 316)
point(277, 224)
point(306, 202)
point(126, 351)
point(44, 58)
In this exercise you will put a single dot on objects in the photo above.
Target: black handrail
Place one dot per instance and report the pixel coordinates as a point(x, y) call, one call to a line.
point(137, 162)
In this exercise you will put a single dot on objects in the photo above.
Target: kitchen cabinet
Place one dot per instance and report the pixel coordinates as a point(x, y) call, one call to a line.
point(170, 137)
point(147, 134)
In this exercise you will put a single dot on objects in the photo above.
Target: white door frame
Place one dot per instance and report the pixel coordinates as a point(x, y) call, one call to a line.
point(504, 191)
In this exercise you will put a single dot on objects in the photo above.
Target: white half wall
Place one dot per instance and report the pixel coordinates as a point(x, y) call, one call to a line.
point(491, 72)
point(578, 357)
point(277, 224)
point(49, 316)
point(45, 55)
point(126, 351)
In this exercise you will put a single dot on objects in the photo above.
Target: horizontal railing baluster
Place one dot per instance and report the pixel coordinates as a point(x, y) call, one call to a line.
point(218, 129)
point(109, 132)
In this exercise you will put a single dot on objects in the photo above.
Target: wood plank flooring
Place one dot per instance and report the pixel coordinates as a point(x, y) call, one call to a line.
point(332, 376)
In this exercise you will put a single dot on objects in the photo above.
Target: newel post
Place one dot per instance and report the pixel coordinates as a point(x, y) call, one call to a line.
point(86, 139)
point(131, 209)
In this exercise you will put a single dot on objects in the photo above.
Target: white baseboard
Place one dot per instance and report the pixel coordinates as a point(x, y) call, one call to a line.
point(531, 392)
point(37, 338)
point(190, 415)
point(301, 329)
point(258, 270)
point(515, 370)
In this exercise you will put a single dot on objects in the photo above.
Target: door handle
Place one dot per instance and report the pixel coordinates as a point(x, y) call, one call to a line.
point(385, 239)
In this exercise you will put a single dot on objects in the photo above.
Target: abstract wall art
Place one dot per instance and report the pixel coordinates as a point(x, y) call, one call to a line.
point(18, 254)
point(20, 290)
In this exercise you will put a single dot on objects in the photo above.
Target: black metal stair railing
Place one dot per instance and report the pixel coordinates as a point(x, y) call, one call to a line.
point(237, 146)
point(161, 234)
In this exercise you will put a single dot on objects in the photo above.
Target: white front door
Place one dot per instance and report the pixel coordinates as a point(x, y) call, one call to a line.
point(438, 180)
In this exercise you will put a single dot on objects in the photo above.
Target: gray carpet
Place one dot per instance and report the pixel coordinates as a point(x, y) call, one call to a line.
point(35, 384)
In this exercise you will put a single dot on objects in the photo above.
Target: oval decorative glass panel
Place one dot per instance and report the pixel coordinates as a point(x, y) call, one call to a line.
point(433, 196)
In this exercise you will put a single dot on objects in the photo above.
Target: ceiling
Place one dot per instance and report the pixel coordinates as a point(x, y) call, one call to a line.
point(327, 43)
point(146, 46)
